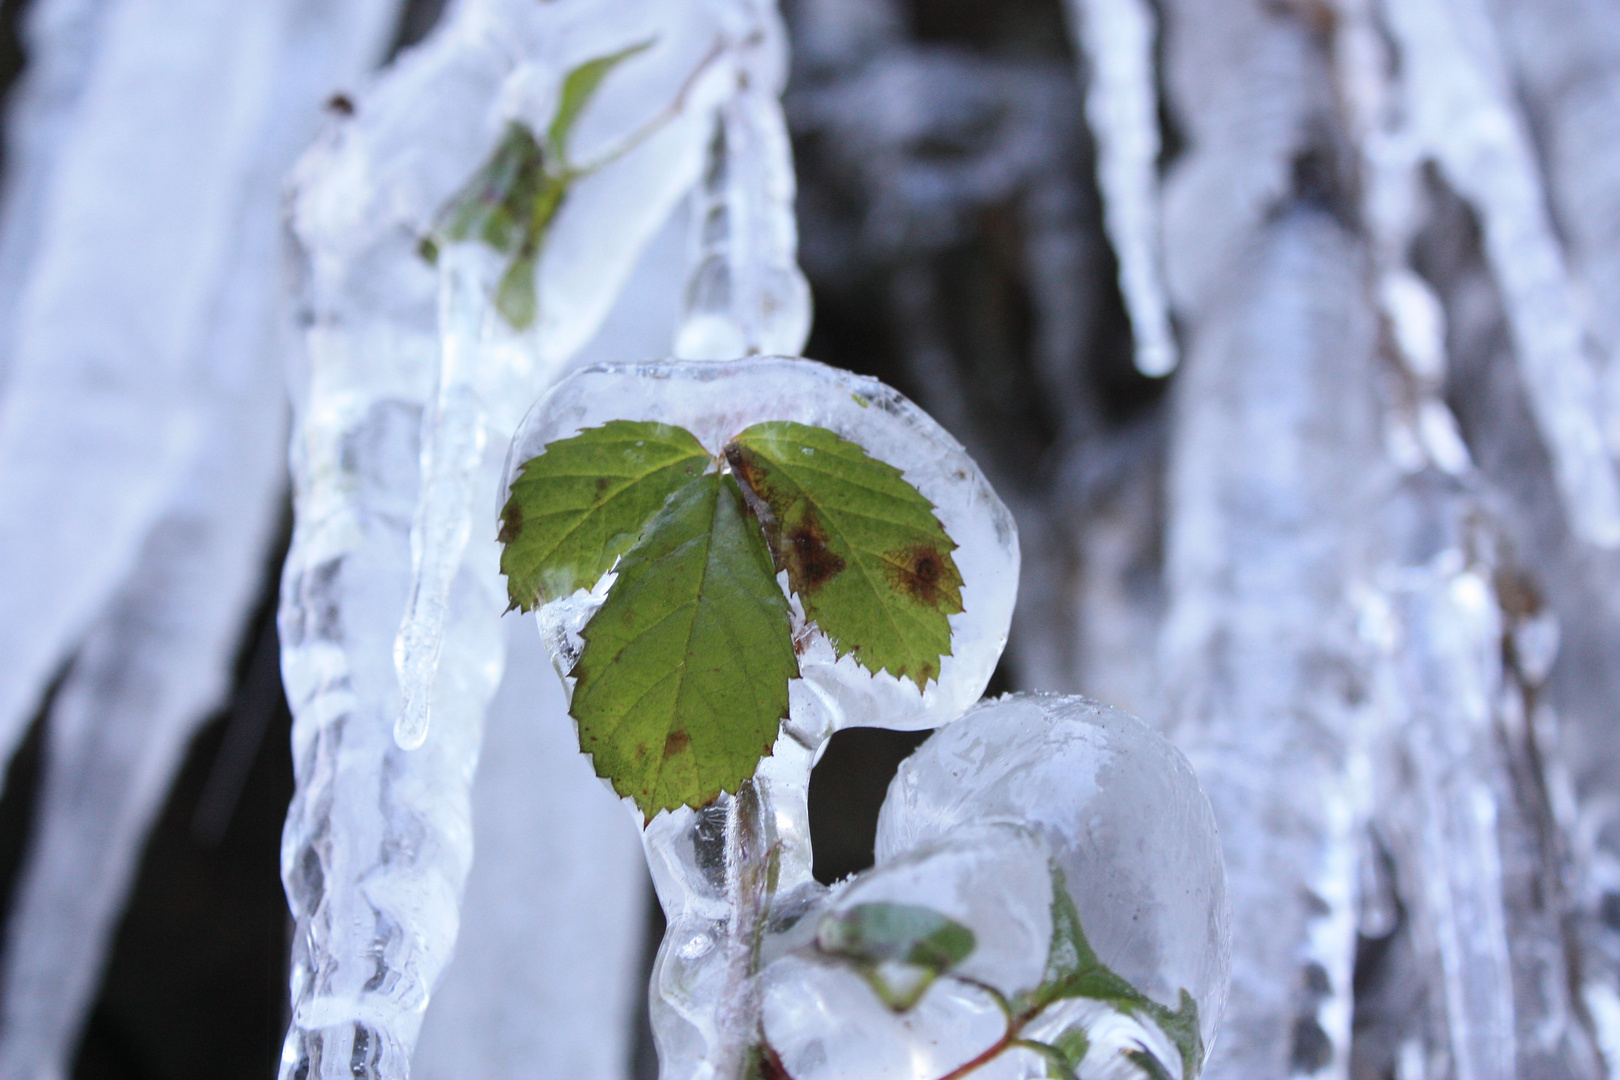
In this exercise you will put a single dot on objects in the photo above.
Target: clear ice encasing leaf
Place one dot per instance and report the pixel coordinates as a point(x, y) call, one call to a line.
point(1122, 812)
point(722, 870)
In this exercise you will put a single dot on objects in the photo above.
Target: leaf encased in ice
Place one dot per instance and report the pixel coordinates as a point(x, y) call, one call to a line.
point(585, 500)
point(682, 684)
point(862, 547)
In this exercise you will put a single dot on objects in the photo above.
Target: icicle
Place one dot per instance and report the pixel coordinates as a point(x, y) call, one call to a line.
point(747, 296)
point(1440, 685)
point(100, 421)
point(378, 841)
point(453, 434)
point(1566, 56)
point(60, 40)
point(1459, 106)
point(1116, 38)
point(1243, 82)
point(1481, 917)
point(1273, 454)
point(558, 889)
point(156, 665)
point(158, 660)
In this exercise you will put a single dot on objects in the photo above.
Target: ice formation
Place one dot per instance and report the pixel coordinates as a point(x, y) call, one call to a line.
point(1459, 102)
point(409, 370)
point(142, 421)
point(973, 827)
point(1269, 673)
point(708, 864)
point(1116, 37)
point(548, 973)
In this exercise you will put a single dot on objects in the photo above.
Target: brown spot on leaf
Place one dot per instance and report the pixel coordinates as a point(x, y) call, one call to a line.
point(511, 522)
point(746, 467)
point(601, 484)
point(923, 572)
point(677, 743)
point(805, 555)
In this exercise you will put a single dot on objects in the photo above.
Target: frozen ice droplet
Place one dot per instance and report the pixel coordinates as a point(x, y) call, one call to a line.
point(1123, 814)
point(717, 400)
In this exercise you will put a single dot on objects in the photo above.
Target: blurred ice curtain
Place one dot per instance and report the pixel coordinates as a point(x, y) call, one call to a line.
point(142, 419)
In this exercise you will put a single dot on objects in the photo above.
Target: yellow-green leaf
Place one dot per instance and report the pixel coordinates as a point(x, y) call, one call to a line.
point(579, 86)
point(900, 949)
point(585, 500)
point(861, 546)
point(683, 680)
point(1073, 970)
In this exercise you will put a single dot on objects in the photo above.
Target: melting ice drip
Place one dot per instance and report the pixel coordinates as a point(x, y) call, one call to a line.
point(757, 975)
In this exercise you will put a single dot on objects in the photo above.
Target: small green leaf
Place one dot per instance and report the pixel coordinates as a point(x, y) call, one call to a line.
point(1073, 970)
point(498, 205)
point(862, 547)
point(1073, 1044)
point(1151, 1067)
point(899, 948)
point(579, 86)
point(683, 680)
point(585, 500)
point(1058, 1064)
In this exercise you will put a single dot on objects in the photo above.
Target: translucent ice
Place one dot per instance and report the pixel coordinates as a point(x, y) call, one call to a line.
point(1461, 106)
point(1119, 808)
point(377, 844)
point(161, 303)
point(716, 401)
point(453, 435)
point(746, 295)
point(824, 1019)
point(1275, 450)
point(976, 824)
point(1117, 38)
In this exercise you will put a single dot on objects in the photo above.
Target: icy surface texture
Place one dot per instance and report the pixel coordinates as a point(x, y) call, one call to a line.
point(1460, 102)
point(974, 824)
point(160, 305)
point(1460, 655)
point(548, 967)
point(1117, 40)
point(1269, 675)
point(746, 295)
point(1121, 811)
point(397, 392)
point(710, 866)
point(107, 408)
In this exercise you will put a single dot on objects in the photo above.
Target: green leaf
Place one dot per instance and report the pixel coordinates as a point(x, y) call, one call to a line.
point(498, 204)
point(899, 948)
point(862, 547)
point(1073, 970)
point(585, 500)
point(683, 680)
point(579, 86)
point(1073, 1044)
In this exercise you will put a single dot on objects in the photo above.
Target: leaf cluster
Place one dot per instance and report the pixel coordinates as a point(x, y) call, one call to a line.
point(902, 949)
point(681, 686)
point(511, 200)
point(1073, 970)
